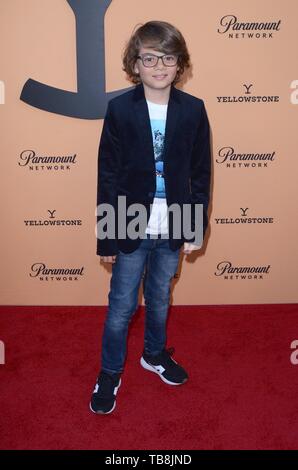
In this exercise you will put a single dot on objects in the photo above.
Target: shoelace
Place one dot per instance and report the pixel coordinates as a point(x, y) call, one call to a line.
point(106, 384)
point(170, 351)
point(166, 355)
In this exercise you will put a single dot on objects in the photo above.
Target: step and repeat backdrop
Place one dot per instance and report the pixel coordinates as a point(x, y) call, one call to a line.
point(61, 61)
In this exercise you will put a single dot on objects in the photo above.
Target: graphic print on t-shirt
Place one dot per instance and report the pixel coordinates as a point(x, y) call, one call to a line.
point(158, 134)
point(158, 222)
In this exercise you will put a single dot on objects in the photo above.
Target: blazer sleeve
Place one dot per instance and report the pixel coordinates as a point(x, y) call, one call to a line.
point(108, 168)
point(200, 173)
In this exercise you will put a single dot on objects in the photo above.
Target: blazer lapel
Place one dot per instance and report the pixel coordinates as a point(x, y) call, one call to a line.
point(143, 120)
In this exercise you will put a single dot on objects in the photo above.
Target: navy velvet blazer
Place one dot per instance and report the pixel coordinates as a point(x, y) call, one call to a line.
point(126, 164)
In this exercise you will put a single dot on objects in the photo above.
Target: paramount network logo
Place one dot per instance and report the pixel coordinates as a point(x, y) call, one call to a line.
point(232, 159)
point(234, 29)
point(227, 271)
point(34, 162)
point(41, 271)
point(247, 97)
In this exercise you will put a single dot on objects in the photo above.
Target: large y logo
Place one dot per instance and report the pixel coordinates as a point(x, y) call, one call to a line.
point(90, 100)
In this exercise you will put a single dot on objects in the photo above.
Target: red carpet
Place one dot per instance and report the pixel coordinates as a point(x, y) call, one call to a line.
point(242, 392)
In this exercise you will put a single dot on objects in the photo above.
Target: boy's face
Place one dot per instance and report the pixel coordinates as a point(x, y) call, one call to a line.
point(158, 77)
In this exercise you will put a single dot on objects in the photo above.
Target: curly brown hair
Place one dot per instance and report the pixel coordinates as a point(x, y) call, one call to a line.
point(161, 36)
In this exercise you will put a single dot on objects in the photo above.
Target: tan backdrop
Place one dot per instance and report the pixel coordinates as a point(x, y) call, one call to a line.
point(253, 215)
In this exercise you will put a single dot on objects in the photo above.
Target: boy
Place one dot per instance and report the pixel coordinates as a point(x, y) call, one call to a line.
point(154, 151)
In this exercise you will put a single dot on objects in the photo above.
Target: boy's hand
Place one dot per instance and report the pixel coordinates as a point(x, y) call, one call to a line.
point(108, 259)
point(189, 247)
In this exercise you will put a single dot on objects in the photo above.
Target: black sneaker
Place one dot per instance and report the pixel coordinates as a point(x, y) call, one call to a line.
point(103, 400)
point(163, 365)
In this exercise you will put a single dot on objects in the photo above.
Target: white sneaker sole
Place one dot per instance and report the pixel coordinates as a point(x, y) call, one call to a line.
point(153, 369)
point(114, 406)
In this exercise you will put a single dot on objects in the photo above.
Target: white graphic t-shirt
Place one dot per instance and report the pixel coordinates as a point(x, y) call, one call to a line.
point(158, 221)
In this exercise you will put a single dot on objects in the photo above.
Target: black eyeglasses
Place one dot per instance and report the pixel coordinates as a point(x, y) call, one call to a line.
point(150, 60)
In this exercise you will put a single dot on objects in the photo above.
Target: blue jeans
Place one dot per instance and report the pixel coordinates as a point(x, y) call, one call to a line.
point(160, 264)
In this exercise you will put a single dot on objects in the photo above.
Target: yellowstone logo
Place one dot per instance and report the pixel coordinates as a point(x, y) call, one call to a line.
point(52, 221)
point(247, 97)
point(243, 219)
point(90, 100)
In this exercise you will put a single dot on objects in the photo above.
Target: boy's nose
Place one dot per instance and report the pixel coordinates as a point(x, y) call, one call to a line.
point(159, 62)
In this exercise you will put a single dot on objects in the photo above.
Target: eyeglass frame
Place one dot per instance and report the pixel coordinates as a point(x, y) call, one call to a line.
point(158, 57)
